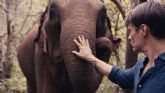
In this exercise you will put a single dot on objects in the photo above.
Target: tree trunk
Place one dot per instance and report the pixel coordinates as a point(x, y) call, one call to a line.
point(131, 58)
point(1, 64)
point(7, 63)
point(131, 61)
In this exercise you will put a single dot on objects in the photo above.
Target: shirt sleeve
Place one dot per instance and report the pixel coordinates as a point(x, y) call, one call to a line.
point(124, 78)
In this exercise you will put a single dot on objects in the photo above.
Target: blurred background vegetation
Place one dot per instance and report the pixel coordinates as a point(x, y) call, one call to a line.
point(18, 17)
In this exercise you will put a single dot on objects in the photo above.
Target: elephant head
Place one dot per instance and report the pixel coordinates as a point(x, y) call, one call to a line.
point(60, 24)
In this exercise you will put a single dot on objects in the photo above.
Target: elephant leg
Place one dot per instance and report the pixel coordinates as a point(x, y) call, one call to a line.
point(31, 87)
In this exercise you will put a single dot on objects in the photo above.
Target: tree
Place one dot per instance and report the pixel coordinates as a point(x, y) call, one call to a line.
point(13, 28)
point(1, 65)
point(131, 60)
point(7, 64)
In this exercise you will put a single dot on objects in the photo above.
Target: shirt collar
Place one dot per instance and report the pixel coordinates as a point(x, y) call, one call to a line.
point(145, 60)
point(162, 56)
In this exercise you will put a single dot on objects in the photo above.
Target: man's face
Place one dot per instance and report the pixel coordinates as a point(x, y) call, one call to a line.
point(135, 38)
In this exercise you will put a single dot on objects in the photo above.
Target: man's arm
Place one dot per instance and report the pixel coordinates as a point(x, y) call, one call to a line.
point(86, 53)
point(102, 66)
point(122, 77)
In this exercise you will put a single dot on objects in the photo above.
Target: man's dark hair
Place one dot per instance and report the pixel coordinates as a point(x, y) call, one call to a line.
point(151, 14)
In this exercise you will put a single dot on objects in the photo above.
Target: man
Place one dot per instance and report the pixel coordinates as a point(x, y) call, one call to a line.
point(146, 23)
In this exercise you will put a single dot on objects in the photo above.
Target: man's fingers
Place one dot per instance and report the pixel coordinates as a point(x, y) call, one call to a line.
point(77, 43)
point(83, 40)
point(80, 39)
point(87, 42)
point(76, 53)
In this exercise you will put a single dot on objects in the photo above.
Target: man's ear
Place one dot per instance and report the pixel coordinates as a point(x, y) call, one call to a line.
point(144, 30)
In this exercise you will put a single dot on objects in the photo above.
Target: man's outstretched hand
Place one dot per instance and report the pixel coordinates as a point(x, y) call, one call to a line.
point(84, 49)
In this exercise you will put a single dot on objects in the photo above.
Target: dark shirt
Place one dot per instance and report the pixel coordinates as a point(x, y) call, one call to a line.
point(153, 80)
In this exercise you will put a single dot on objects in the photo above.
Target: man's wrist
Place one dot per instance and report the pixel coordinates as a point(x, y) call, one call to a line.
point(93, 60)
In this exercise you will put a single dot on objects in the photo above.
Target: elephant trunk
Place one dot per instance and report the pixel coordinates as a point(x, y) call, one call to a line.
point(83, 76)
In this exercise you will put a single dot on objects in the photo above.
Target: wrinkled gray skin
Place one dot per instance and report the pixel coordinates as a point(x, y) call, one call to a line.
point(45, 54)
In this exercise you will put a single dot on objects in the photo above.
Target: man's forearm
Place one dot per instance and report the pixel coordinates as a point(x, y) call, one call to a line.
point(103, 67)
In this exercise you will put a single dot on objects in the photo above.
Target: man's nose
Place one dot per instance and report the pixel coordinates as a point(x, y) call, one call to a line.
point(129, 37)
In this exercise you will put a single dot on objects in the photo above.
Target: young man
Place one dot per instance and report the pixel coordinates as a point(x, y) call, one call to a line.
point(146, 23)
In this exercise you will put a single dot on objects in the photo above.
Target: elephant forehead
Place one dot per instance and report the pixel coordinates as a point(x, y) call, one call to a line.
point(79, 13)
point(94, 5)
point(90, 3)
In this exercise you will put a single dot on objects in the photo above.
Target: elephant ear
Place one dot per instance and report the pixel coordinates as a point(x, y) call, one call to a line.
point(108, 27)
point(103, 24)
point(49, 26)
point(41, 37)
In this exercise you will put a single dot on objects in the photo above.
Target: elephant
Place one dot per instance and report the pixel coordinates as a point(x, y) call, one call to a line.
point(45, 54)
